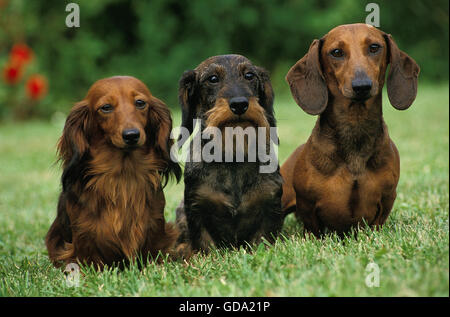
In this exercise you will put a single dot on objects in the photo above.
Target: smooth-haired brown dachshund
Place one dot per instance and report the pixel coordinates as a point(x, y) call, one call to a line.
point(227, 204)
point(115, 155)
point(347, 172)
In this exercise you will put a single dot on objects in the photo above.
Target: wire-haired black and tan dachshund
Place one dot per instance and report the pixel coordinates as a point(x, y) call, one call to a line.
point(228, 204)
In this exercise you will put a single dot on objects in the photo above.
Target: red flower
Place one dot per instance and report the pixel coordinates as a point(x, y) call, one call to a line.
point(12, 73)
point(21, 54)
point(36, 87)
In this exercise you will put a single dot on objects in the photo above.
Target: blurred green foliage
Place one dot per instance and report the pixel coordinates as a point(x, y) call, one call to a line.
point(157, 40)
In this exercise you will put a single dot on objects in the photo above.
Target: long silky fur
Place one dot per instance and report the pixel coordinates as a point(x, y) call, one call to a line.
point(111, 208)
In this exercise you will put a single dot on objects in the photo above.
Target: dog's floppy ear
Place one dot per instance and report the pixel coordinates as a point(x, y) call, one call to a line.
point(186, 97)
point(308, 86)
point(266, 95)
point(74, 142)
point(402, 77)
point(160, 125)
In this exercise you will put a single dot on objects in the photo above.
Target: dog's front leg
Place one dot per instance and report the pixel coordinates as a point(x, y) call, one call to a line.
point(307, 213)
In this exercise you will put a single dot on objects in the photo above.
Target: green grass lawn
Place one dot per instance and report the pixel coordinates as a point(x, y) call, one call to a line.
point(412, 250)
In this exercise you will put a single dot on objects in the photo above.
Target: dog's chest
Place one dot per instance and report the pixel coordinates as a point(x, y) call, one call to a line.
point(346, 198)
point(120, 209)
point(238, 198)
point(358, 143)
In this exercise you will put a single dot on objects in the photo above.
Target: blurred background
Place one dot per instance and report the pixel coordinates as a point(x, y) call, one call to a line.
point(46, 66)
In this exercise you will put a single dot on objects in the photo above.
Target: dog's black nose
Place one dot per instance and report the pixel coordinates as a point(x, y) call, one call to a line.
point(361, 87)
point(131, 136)
point(239, 105)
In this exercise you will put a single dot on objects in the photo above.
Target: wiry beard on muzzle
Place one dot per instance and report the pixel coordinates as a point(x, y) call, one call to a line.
point(239, 133)
point(221, 115)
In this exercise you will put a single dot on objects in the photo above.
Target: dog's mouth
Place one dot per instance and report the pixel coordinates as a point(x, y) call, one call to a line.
point(360, 103)
point(238, 122)
point(130, 148)
point(126, 148)
point(360, 99)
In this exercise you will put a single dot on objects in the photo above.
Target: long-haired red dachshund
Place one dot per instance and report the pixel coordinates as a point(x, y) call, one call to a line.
point(115, 153)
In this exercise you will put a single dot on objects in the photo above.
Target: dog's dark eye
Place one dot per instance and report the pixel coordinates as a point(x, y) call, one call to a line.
point(337, 52)
point(106, 108)
point(249, 76)
point(213, 79)
point(373, 48)
point(140, 104)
